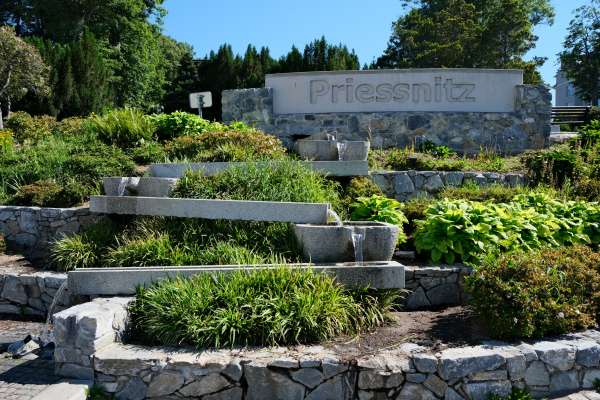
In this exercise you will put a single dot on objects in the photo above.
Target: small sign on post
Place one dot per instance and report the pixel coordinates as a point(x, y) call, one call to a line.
point(200, 100)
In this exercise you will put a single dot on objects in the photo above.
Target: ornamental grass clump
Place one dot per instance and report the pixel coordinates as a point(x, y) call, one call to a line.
point(285, 181)
point(278, 306)
point(539, 293)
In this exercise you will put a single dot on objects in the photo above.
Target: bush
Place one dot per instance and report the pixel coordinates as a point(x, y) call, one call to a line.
point(170, 126)
point(546, 292)
point(148, 152)
point(214, 146)
point(2, 244)
point(30, 129)
point(361, 186)
point(282, 181)
point(552, 166)
point(278, 306)
point(125, 128)
point(6, 140)
point(589, 135)
point(471, 191)
point(49, 193)
point(455, 230)
point(380, 209)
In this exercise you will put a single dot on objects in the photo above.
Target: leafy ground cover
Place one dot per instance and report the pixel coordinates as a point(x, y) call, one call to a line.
point(48, 163)
point(280, 306)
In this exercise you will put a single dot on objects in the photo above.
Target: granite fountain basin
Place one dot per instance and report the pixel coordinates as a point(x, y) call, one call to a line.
point(353, 150)
point(139, 186)
point(317, 150)
point(333, 243)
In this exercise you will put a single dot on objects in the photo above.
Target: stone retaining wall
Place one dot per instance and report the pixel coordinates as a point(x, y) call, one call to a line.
point(404, 185)
point(86, 345)
point(526, 128)
point(31, 230)
point(435, 286)
point(32, 293)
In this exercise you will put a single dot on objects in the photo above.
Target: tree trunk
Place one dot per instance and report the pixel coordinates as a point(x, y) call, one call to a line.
point(8, 107)
point(1, 122)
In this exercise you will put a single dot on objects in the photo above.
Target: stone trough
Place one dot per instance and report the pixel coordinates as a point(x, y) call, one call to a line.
point(330, 168)
point(329, 243)
point(242, 210)
point(123, 281)
point(139, 186)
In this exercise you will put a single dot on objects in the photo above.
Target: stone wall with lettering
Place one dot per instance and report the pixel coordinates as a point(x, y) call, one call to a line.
point(526, 127)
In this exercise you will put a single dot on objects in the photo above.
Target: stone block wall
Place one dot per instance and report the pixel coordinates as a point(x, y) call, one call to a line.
point(435, 286)
point(526, 128)
point(32, 293)
point(87, 347)
point(31, 230)
point(404, 185)
point(82, 330)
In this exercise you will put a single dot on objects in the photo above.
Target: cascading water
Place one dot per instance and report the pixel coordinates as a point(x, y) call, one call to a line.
point(341, 147)
point(358, 240)
point(47, 334)
point(336, 218)
point(122, 186)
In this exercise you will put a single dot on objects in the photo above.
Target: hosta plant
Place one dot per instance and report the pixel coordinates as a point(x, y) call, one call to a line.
point(380, 209)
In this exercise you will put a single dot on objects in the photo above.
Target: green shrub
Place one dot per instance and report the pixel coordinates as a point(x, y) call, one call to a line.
point(214, 146)
point(49, 193)
point(408, 159)
point(589, 135)
point(474, 192)
point(125, 128)
point(361, 186)
point(2, 244)
point(30, 129)
point(148, 152)
point(6, 140)
point(380, 209)
point(170, 126)
point(277, 306)
point(456, 230)
point(436, 150)
point(535, 294)
point(95, 161)
point(552, 166)
point(282, 181)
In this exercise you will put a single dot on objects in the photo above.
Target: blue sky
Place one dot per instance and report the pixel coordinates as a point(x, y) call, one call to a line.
point(280, 23)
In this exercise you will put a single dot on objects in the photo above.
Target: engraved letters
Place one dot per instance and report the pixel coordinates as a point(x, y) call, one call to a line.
point(322, 91)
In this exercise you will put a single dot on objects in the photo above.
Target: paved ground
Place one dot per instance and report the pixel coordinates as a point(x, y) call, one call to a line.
point(23, 378)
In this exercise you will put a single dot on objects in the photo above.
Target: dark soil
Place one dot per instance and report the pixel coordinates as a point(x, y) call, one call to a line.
point(437, 330)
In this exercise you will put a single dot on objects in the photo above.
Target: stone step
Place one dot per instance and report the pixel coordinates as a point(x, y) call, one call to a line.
point(65, 390)
point(330, 168)
point(124, 281)
point(242, 210)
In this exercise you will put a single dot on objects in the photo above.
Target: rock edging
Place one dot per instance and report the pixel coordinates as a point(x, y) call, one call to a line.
point(405, 185)
point(86, 338)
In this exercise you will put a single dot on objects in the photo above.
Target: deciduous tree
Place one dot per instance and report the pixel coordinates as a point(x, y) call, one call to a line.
point(581, 56)
point(21, 69)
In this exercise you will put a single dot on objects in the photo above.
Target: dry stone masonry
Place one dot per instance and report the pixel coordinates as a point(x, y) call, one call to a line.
point(527, 127)
point(435, 286)
point(32, 293)
point(404, 185)
point(86, 339)
point(31, 230)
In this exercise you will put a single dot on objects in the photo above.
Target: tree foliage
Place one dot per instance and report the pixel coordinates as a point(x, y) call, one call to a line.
point(21, 69)
point(581, 56)
point(466, 33)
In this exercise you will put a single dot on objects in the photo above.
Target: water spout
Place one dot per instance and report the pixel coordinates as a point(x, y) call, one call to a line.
point(47, 333)
point(358, 240)
point(336, 218)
